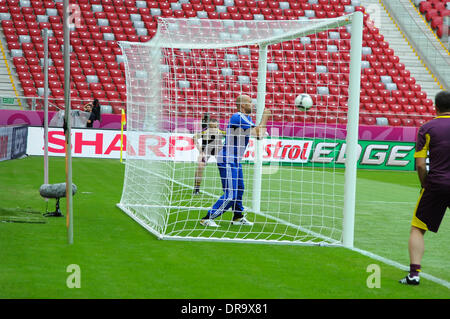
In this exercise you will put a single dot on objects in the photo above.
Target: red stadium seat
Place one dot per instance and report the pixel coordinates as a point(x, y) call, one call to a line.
point(38, 76)
point(121, 88)
point(76, 71)
point(419, 122)
point(390, 101)
point(368, 120)
point(428, 102)
point(57, 92)
point(420, 94)
point(95, 86)
point(421, 109)
point(408, 122)
point(383, 108)
point(394, 121)
point(30, 91)
point(85, 94)
point(119, 80)
point(109, 87)
point(79, 79)
point(104, 79)
point(89, 71)
point(33, 61)
point(396, 93)
point(415, 101)
point(408, 108)
point(402, 100)
point(85, 64)
point(82, 86)
point(396, 108)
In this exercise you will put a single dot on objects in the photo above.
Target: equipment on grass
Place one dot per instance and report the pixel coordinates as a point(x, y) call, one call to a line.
point(303, 101)
point(296, 188)
point(55, 191)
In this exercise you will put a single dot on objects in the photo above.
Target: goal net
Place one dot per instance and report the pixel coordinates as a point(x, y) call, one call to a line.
point(298, 181)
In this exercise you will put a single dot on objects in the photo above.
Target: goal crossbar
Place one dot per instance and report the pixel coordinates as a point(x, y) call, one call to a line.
point(319, 25)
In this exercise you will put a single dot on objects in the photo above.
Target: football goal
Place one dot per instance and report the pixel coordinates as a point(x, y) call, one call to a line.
point(298, 181)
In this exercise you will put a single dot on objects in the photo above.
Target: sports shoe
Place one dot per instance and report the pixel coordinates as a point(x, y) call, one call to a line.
point(241, 221)
point(408, 280)
point(208, 222)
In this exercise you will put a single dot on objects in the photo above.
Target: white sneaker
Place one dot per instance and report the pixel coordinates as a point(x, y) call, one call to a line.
point(208, 223)
point(242, 221)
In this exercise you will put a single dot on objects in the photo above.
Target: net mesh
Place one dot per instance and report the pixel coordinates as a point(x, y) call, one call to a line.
point(197, 67)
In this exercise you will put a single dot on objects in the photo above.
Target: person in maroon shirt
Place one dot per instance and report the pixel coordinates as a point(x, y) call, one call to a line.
point(433, 142)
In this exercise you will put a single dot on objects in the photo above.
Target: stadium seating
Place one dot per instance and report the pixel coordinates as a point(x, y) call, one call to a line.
point(387, 88)
point(434, 12)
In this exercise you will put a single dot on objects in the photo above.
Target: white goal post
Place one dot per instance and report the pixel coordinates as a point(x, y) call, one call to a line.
point(299, 181)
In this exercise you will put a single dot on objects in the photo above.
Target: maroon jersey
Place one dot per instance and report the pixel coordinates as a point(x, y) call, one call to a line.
point(433, 141)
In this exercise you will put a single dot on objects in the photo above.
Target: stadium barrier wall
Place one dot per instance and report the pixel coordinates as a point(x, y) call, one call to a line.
point(180, 147)
point(112, 121)
point(13, 141)
point(36, 118)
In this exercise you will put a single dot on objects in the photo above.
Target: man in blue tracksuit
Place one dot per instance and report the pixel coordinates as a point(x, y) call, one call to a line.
point(238, 132)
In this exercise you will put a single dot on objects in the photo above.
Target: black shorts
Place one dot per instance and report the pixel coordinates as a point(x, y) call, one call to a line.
point(430, 209)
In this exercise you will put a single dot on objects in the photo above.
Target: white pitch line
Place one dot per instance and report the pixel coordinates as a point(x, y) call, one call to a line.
point(389, 262)
point(384, 202)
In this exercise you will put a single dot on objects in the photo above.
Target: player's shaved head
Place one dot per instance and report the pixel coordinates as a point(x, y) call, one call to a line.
point(244, 103)
point(243, 98)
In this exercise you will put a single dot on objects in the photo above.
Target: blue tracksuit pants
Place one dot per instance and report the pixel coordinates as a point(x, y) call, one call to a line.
point(233, 189)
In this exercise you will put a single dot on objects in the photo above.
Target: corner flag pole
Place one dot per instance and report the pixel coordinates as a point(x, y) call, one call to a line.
point(123, 121)
point(45, 37)
point(67, 124)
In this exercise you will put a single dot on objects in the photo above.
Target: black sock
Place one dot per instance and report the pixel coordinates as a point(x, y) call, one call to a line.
point(414, 270)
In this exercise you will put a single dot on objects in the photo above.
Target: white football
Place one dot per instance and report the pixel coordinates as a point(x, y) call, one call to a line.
point(303, 101)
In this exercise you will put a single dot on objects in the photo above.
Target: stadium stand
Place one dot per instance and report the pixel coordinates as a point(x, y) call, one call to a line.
point(434, 12)
point(387, 87)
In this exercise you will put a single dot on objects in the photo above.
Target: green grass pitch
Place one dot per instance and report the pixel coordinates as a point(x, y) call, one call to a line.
point(120, 259)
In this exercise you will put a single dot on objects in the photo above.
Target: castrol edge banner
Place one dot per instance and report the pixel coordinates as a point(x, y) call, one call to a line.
point(180, 147)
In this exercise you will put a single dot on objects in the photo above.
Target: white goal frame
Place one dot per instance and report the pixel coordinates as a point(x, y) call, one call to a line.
point(356, 21)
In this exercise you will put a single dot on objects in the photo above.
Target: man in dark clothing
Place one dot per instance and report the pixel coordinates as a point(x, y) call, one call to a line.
point(95, 115)
point(433, 142)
